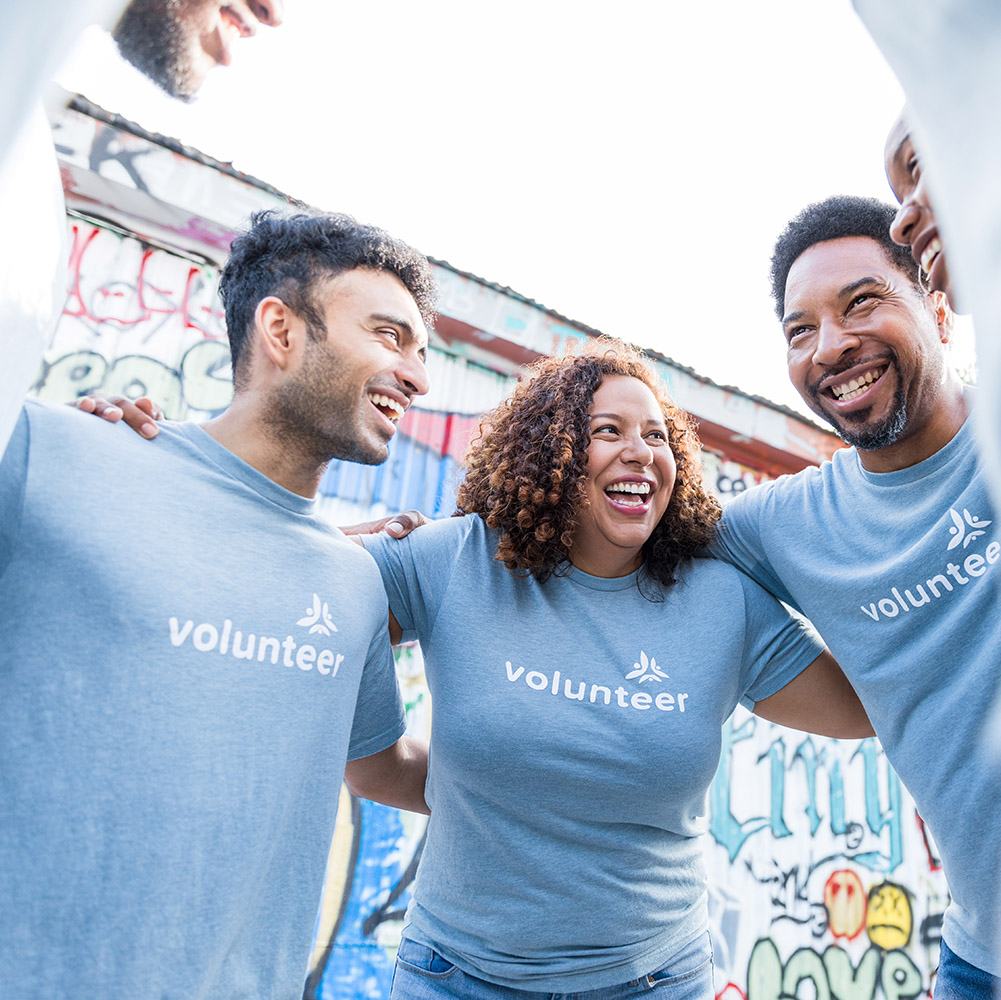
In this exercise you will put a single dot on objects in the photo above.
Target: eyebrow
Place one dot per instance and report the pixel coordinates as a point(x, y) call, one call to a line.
point(656, 421)
point(852, 286)
point(903, 142)
point(404, 324)
point(399, 321)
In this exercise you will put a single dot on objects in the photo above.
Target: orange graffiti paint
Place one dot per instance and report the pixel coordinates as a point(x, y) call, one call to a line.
point(845, 901)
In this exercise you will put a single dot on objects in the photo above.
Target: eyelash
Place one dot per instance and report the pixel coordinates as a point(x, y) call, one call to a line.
point(611, 427)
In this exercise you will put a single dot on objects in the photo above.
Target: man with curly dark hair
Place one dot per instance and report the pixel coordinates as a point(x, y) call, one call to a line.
point(175, 731)
point(891, 548)
point(581, 664)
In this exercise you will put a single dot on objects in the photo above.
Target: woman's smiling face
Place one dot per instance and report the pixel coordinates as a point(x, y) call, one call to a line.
point(630, 478)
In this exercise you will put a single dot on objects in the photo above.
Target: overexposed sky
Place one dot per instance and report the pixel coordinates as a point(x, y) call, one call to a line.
point(628, 165)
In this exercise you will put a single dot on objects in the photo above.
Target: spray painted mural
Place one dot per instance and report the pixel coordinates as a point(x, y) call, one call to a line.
point(824, 882)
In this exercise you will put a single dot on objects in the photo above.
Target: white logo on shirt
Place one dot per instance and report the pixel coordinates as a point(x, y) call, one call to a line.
point(313, 616)
point(208, 637)
point(647, 670)
point(958, 529)
point(953, 576)
point(600, 694)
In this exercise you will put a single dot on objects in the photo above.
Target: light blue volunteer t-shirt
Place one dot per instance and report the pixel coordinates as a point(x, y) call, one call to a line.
point(899, 572)
point(576, 732)
point(188, 655)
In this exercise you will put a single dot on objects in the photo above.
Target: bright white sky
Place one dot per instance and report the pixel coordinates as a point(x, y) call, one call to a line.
point(628, 165)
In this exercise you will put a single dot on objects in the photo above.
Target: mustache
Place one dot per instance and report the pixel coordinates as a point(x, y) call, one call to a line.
point(835, 371)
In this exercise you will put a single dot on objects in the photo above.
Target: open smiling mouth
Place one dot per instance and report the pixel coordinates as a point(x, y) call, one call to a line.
point(389, 408)
point(628, 494)
point(929, 254)
point(847, 391)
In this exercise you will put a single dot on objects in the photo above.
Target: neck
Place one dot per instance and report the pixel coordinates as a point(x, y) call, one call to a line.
point(247, 435)
point(608, 567)
point(947, 417)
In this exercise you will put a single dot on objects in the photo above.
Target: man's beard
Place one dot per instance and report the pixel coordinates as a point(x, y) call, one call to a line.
point(881, 435)
point(317, 414)
point(153, 36)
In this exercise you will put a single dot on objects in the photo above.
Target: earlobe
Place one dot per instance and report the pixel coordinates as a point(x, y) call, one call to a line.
point(944, 315)
point(274, 325)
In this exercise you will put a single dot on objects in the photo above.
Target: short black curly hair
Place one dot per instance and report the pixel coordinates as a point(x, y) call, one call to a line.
point(287, 255)
point(839, 217)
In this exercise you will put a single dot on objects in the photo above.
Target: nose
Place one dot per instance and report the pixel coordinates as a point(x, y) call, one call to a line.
point(636, 450)
point(413, 374)
point(833, 342)
point(270, 12)
point(904, 223)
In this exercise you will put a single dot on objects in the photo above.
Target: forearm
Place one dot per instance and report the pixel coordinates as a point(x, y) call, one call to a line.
point(820, 700)
point(395, 777)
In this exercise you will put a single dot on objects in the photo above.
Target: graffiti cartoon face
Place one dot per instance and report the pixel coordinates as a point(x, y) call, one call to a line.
point(845, 901)
point(889, 919)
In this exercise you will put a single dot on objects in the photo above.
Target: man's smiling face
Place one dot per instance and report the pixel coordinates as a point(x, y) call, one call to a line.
point(864, 343)
point(177, 42)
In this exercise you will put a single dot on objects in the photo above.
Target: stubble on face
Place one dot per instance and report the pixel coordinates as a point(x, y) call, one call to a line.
point(868, 437)
point(319, 412)
point(157, 37)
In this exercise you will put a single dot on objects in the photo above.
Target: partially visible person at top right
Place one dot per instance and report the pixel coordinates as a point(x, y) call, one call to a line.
point(914, 226)
point(892, 548)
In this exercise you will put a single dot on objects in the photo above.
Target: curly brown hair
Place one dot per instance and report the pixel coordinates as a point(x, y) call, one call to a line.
point(526, 469)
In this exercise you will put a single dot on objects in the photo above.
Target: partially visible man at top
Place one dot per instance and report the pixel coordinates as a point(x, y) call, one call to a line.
point(892, 548)
point(174, 733)
point(175, 43)
point(947, 56)
point(914, 226)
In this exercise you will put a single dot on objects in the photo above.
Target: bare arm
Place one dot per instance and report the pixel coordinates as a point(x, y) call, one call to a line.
point(819, 700)
point(396, 776)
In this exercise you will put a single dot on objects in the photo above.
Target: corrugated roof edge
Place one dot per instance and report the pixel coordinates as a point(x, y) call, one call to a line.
point(80, 103)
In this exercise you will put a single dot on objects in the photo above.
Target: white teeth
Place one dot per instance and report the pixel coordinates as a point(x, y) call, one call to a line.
point(628, 488)
point(384, 402)
point(849, 390)
point(931, 251)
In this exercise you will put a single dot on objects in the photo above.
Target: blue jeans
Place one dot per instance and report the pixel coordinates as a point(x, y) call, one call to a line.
point(422, 974)
point(958, 980)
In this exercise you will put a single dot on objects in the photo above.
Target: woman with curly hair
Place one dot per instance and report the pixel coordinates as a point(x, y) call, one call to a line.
point(581, 664)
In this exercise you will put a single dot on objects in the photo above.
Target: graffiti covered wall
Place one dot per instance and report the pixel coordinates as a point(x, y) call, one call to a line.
point(823, 881)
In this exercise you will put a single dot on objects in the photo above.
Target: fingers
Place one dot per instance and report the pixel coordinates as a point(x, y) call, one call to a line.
point(99, 405)
point(136, 415)
point(148, 406)
point(400, 525)
point(397, 525)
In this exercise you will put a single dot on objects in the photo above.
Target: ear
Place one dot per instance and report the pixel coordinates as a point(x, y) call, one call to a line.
point(277, 331)
point(943, 314)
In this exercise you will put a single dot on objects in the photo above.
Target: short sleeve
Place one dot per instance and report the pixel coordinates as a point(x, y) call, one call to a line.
point(738, 541)
point(416, 570)
point(778, 645)
point(379, 719)
point(13, 479)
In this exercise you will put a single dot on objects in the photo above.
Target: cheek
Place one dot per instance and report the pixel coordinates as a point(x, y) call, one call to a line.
point(798, 361)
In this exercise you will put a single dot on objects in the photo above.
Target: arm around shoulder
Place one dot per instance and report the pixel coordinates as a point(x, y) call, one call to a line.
point(819, 700)
point(395, 776)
